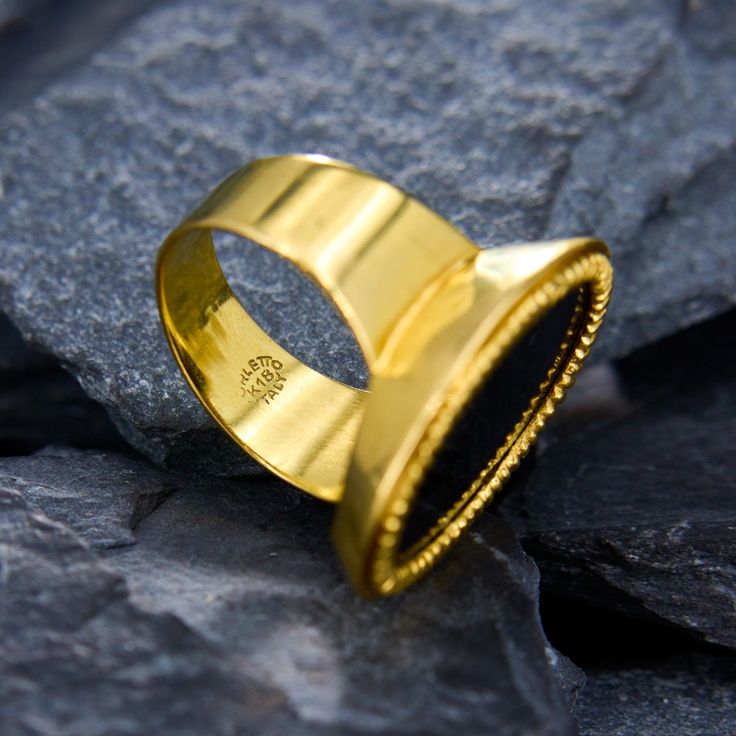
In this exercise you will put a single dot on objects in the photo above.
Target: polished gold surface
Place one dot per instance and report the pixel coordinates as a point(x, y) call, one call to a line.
point(420, 386)
point(433, 314)
point(371, 247)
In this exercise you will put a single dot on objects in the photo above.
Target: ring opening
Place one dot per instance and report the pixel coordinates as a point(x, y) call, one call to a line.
point(293, 419)
point(291, 308)
point(493, 412)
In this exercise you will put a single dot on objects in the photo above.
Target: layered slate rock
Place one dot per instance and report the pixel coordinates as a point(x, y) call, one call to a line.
point(642, 679)
point(102, 496)
point(688, 693)
point(41, 403)
point(15, 11)
point(636, 511)
point(234, 588)
point(40, 40)
point(513, 123)
point(665, 222)
point(77, 656)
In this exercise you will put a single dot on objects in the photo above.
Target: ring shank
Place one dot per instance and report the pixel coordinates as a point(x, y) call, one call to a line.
point(374, 251)
point(294, 420)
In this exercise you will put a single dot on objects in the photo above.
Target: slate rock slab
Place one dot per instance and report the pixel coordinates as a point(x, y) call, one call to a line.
point(636, 511)
point(15, 11)
point(642, 679)
point(102, 496)
point(40, 40)
point(687, 693)
point(41, 403)
point(78, 657)
point(234, 588)
point(514, 123)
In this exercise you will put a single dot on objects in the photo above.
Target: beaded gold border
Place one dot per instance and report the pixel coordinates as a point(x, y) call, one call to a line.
point(392, 570)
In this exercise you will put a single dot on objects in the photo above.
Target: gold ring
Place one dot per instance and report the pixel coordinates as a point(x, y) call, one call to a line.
point(468, 351)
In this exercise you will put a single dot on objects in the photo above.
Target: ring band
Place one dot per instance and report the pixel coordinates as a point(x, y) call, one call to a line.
point(369, 246)
point(448, 332)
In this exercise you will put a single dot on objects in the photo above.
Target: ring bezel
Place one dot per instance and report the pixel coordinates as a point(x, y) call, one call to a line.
point(370, 525)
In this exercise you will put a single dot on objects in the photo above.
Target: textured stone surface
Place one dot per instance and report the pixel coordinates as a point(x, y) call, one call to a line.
point(636, 511)
point(642, 679)
point(512, 122)
point(40, 40)
point(78, 657)
point(14, 11)
point(102, 496)
point(233, 589)
point(682, 694)
point(40, 403)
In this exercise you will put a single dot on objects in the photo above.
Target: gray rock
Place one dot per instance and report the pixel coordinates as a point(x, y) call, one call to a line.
point(102, 496)
point(241, 578)
point(642, 679)
point(14, 11)
point(78, 657)
point(16, 355)
point(636, 510)
point(514, 123)
point(571, 678)
point(688, 693)
point(41, 403)
point(40, 40)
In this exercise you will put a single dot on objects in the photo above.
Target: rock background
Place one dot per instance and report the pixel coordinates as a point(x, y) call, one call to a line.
point(137, 599)
point(250, 576)
point(516, 124)
point(638, 510)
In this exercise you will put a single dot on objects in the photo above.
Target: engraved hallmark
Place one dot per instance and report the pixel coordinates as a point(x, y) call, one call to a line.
point(262, 379)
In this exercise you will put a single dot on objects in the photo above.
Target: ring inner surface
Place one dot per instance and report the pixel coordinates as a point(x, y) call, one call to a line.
point(298, 422)
point(485, 423)
point(291, 307)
